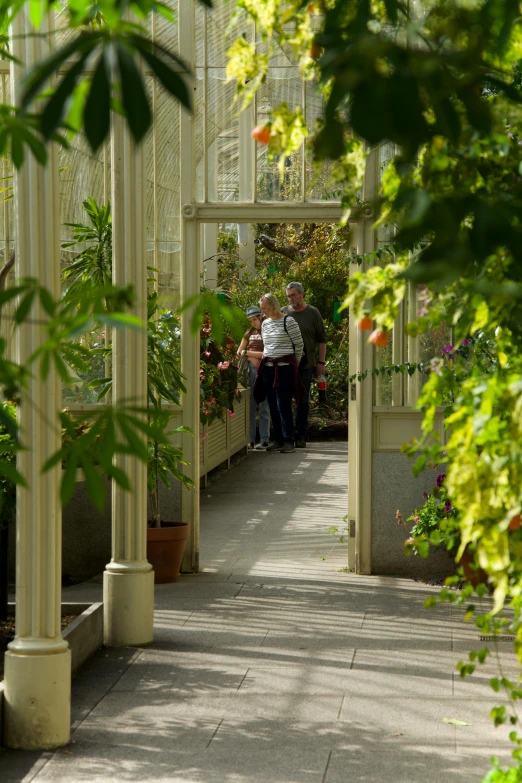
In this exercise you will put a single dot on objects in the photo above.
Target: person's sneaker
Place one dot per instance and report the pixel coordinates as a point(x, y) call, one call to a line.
point(251, 446)
point(261, 446)
point(300, 444)
point(287, 448)
point(274, 446)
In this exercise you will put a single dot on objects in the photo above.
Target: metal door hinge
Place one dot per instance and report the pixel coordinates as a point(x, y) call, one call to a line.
point(352, 528)
point(353, 392)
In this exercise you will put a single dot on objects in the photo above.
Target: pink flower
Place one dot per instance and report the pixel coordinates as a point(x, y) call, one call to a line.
point(236, 392)
point(223, 365)
point(230, 413)
point(207, 353)
point(204, 436)
point(206, 411)
point(212, 399)
point(206, 331)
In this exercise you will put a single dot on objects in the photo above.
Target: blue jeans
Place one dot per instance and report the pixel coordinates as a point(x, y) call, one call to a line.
point(303, 406)
point(280, 401)
point(264, 411)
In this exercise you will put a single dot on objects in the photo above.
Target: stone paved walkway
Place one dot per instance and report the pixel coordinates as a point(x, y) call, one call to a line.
point(274, 666)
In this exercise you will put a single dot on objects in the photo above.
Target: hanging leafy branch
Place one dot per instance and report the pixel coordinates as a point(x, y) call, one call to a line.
point(388, 370)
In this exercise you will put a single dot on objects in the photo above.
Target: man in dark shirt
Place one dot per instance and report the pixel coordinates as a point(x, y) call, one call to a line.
point(314, 337)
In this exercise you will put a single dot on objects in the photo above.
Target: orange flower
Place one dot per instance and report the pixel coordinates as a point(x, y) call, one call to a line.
point(379, 337)
point(366, 323)
point(315, 51)
point(514, 522)
point(261, 133)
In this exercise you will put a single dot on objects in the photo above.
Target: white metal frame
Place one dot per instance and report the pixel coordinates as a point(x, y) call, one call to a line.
point(361, 357)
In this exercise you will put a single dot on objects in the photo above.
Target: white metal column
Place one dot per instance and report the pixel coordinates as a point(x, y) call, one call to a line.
point(190, 256)
point(360, 407)
point(128, 581)
point(210, 230)
point(38, 661)
point(247, 150)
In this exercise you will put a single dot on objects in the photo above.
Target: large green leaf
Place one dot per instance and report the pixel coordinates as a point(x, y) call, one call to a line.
point(97, 114)
point(55, 107)
point(45, 69)
point(134, 98)
point(170, 80)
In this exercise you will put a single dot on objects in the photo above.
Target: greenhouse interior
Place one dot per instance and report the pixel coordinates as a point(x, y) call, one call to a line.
point(172, 173)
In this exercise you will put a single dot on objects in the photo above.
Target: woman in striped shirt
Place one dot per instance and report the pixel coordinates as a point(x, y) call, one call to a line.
point(278, 378)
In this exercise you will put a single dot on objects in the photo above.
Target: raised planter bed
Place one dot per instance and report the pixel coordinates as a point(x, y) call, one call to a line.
point(224, 438)
point(83, 631)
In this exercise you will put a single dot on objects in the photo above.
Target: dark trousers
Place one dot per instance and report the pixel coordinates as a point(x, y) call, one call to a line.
point(303, 406)
point(280, 402)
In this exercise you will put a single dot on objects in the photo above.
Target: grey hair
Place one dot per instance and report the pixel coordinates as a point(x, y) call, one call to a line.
point(270, 299)
point(298, 287)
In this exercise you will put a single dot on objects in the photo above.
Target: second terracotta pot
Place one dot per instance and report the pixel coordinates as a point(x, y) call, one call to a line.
point(165, 548)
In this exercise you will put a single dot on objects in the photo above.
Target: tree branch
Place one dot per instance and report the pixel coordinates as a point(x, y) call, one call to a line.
point(4, 271)
point(289, 251)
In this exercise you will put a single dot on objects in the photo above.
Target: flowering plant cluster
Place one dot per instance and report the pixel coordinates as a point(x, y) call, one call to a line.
point(218, 379)
point(434, 523)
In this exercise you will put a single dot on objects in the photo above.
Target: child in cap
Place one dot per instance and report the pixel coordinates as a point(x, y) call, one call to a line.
point(251, 346)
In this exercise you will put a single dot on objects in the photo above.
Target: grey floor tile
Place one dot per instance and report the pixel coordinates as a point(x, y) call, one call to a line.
point(181, 681)
point(387, 762)
point(147, 714)
point(106, 763)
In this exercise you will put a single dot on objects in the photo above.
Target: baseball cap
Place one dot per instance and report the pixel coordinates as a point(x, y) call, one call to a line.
point(250, 311)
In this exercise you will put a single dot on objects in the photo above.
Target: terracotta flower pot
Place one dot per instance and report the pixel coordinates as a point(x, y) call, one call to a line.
point(475, 576)
point(165, 548)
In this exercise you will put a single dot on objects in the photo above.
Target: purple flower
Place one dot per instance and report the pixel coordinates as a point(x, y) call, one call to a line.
point(440, 479)
point(465, 342)
point(447, 349)
point(447, 506)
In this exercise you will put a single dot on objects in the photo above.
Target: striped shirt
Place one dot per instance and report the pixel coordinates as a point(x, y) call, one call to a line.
point(278, 342)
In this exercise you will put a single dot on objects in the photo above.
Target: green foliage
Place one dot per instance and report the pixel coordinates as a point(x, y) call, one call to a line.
point(164, 460)
point(114, 51)
point(9, 445)
point(434, 524)
point(107, 42)
point(218, 378)
point(287, 133)
point(342, 534)
point(318, 256)
point(93, 264)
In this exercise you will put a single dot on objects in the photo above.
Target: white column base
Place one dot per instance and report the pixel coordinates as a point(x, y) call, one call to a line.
point(37, 700)
point(128, 608)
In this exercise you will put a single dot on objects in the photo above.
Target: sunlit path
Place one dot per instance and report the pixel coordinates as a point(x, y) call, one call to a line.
point(275, 666)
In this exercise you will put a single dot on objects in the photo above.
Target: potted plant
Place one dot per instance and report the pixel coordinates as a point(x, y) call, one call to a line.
point(218, 377)
point(166, 539)
point(435, 525)
point(93, 266)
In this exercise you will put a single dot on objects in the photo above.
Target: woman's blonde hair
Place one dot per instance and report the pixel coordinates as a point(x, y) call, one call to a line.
point(271, 300)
